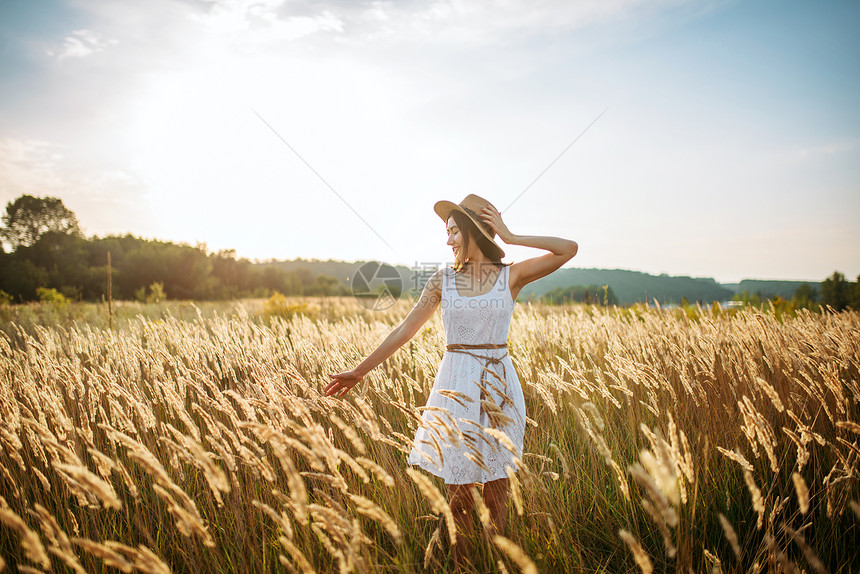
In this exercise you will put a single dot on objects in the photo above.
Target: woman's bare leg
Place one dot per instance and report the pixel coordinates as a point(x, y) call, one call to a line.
point(461, 502)
point(496, 500)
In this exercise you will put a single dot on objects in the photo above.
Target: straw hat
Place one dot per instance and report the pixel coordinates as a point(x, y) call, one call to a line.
point(471, 207)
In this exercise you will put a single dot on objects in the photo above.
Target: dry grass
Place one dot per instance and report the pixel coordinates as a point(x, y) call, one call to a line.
point(657, 440)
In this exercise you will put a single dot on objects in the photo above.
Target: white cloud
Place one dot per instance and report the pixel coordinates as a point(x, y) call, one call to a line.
point(827, 149)
point(80, 44)
point(28, 166)
point(254, 23)
point(105, 200)
point(439, 22)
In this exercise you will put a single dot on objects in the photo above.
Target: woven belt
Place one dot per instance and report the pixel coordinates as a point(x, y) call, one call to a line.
point(467, 350)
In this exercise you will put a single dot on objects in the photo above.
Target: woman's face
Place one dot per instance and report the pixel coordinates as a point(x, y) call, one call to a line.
point(456, 239)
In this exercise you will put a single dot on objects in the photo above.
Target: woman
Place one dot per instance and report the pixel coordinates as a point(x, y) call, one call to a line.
point(472, 427)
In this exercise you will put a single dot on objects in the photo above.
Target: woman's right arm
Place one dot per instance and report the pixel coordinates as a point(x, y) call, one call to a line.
point(423, 310)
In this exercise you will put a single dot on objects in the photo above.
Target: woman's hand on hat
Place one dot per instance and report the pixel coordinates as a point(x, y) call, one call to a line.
point(341, 383)
point(493, 218)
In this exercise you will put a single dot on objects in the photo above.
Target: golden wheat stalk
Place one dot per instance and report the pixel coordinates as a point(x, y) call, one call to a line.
point(810, 556)
point(108, 555)
point(639, 555)
point(515, 553)
point(296, 555)
point(30, 542)
point(802, 492)
point(731, 535)
point(660, 521)
point(436, 500)
point(368, 508)
point(755, 494)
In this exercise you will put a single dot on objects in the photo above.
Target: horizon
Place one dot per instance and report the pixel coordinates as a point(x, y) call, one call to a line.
point(443, 263)
point(203, 245)
point(412, 266)
point(719, 140)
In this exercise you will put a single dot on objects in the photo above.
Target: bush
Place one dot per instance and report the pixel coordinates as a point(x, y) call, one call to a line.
point(156, 293)
point(280, 306)
point(51, 296)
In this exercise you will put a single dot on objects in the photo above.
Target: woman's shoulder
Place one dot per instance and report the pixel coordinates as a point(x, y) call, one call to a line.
point(443, 273)
point(437, 279)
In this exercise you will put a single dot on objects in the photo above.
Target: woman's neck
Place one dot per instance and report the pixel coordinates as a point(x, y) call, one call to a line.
point(476, 265)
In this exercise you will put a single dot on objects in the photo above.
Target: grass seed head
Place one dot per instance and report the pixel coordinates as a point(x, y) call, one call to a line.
point(515, 553)
point(639, 555)
point(30, 542)
point(802, 492)
point(731, 535)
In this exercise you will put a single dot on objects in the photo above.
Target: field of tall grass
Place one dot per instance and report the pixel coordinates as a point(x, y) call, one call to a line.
point(197, 440)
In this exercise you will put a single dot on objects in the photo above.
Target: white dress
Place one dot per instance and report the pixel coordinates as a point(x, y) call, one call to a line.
point(474, 390)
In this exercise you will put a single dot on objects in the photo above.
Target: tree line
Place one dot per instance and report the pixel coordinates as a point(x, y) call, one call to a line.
point(47, 250)
point(835, 292)
point(44, 253)
point(588, 294)
point(630, 287)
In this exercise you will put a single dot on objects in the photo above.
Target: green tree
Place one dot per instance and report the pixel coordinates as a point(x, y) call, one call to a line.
point(834, 291)
point(748, 298)
point(588, 294)
point(805, 296)
point(28, 218)
point(156, 293)
point(854, 300)
point(20, 277)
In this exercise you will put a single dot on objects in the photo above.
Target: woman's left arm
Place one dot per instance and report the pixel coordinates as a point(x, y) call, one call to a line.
point(524, 272)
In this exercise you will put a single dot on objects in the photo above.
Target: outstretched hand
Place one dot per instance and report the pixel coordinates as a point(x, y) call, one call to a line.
point(493, 218)
point(341, 383)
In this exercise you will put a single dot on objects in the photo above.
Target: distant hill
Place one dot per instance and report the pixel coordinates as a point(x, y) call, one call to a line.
point(634, 286)
point(629, 286)
point(344, 271)
point(771, 289)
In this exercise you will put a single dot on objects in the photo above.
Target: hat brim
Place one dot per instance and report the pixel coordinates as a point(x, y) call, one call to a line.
point(444, 208)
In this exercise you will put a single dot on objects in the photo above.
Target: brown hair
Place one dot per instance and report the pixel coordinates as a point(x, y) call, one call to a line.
point(470, 232)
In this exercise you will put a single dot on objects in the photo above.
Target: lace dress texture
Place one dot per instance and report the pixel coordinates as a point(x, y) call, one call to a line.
point(475, 389)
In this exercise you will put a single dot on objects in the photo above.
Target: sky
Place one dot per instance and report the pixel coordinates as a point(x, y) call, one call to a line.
point(717, 138)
